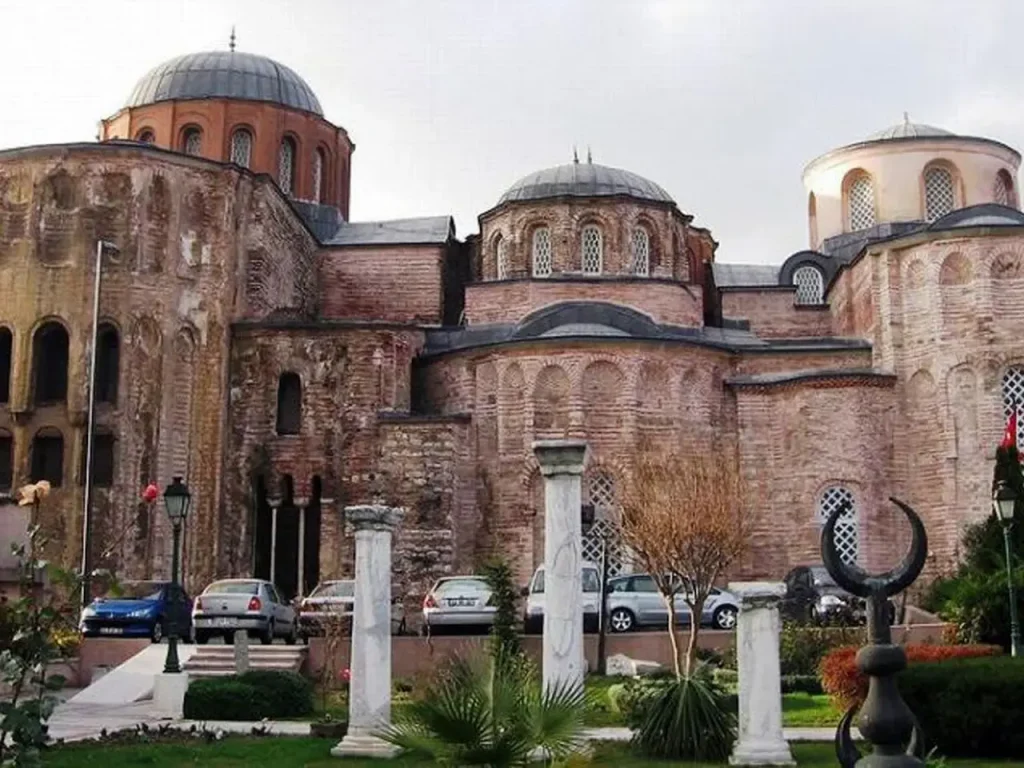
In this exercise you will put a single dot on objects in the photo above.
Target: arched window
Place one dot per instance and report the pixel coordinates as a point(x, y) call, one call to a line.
point(848, 524)
point(50, 364)
point(241, 147)
point(108, 363)
point(6, 460)
point(286, 165)
point(319, 161)
point(810, 285)
point(640, 243)
point(192, 141)
point(860, 202)
point(146, 136)
point(542, 252)
point(289, 404)
point(501, 258)
point(102, 460)
point(48, 457)
point(591, 250)
point(1003, 191)
point(6, 345)
point(939, 197)
point(1013, 395)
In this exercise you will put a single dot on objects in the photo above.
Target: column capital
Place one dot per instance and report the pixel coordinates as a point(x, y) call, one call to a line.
point(758, 594)
point(560, 457)
point(374, 517)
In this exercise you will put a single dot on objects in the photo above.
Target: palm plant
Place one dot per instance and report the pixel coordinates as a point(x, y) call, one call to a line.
point(482, 712)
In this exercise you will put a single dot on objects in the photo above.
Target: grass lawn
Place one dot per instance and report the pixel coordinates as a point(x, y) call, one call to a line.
point(807, 710)
point(315, 753)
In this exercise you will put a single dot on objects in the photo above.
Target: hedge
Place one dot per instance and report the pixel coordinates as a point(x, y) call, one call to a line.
point(969, 707)
point(847, 686)
point(254, 695)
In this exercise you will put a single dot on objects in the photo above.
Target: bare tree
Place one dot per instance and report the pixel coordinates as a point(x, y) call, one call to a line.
point(682, 517)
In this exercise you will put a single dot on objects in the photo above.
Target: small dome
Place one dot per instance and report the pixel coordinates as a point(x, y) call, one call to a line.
point(908, 130)
point(583, 180)
point(224, 75)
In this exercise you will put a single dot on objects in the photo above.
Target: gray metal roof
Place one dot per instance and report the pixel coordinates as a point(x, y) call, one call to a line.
point(734, 275)
point(427, 230)
point(908, 130)
point(982, 215)
point(224, 75)
point(583, 180)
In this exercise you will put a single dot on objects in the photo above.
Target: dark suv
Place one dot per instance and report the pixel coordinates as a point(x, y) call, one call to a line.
point(812, 596)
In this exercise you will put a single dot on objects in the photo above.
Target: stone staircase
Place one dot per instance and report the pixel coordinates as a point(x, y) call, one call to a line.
point(219, 660)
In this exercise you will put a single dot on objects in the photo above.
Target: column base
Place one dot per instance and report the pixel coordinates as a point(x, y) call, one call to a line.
point(169, 694)
point(363, 745)
point(762, 753)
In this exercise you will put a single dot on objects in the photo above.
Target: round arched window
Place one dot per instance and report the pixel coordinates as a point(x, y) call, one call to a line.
point(241, 147)
point(847, 526)
point(286, 165)
point(542, 252)
point(640, 244)
point(591, 250)
point(810, 285)
point(939, 197)
point(192, 142)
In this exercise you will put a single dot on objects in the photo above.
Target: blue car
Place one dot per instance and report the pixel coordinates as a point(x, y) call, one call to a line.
point(139, 609)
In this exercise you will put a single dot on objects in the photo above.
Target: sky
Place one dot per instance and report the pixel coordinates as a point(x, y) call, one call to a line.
point(721, 102)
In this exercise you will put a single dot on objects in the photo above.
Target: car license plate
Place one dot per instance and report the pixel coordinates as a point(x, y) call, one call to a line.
point(461, 602)
point(222, 622)
point(111, 631)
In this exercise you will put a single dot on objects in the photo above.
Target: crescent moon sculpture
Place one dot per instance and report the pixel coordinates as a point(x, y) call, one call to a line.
point(885, 720)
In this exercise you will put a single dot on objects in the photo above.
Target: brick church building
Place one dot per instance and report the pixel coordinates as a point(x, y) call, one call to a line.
point(287, 361)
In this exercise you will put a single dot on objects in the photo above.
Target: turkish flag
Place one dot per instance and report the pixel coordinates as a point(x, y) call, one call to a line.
point(1010, 435)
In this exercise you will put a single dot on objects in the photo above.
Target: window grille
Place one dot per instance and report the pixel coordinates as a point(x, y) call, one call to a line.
point(591, 250)
point(847, 526)
point(1002, 189)
point(502, 258)
point(542, 252)
point(241, 148)
point(193, 144)
point(286, 166)
point(147, 137)
point(810, 285)
point(861, 203)
point(1013, 392)
point(938, 193)
point(602, 494)
point(318, 175)
point(641, 244)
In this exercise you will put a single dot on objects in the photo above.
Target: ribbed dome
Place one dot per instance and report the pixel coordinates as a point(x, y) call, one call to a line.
point(583, 180)
point(224, 75)
point(908, 130)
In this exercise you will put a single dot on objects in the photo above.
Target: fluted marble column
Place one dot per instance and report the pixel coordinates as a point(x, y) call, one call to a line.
point(369, 705)
point(561, 464)
point(760, 739)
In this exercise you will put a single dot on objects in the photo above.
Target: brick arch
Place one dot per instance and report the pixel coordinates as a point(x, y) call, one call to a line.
point(485, 414)
point(962, 400)
point(653, 399)
point(917, 274)
point(551, 392)
point(1007, 265)
point(513, 409)
point(655, 236)
point(602, 385)
point(955, 270)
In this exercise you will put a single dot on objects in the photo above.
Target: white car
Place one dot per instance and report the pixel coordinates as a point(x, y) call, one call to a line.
point(533, 621)
point(253, 605)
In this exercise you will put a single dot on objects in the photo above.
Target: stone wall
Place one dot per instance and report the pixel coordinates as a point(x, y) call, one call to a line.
point(773, 313)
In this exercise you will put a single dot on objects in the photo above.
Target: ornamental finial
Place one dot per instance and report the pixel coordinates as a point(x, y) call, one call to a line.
point(575, 155)
point(231, 41)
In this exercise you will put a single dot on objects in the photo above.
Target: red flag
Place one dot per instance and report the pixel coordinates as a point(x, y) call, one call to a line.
point(1010, 435)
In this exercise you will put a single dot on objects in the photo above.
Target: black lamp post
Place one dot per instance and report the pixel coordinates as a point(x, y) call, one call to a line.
point(177, 500)
point(1003, 502)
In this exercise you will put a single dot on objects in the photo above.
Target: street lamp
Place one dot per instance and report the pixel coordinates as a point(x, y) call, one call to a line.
point(1003, 502)
point(177, 500)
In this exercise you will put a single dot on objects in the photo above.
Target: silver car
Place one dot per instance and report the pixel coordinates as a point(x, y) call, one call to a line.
point(253, 605)
point(337, 598)
point(458, 601)
point(533, 619)
point(634, 601)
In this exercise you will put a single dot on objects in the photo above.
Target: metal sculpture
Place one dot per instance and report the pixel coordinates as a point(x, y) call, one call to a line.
point(885, 720)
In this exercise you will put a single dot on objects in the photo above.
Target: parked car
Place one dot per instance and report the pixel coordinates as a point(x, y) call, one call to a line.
point(253, 605)
point(533, 620)
point(458, 601)
point(138, 609)
point(337, 597)
point(812, 596)
point(634, 601)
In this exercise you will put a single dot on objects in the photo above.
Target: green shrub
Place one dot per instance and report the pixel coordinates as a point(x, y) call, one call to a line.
point(969, 707)
point(631, 697)
point(801, 684)
point(727, 679)
point(688, 719)
point(253, 696)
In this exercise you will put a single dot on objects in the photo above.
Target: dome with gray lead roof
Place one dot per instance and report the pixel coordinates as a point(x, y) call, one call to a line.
point(584, 180)
point(224, 75)
point(908, 130)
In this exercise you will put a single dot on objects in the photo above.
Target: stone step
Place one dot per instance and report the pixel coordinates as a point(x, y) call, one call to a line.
point(219, 660)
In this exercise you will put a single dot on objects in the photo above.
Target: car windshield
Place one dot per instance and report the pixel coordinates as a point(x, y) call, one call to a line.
point(233, 588)
point(137, 590)
point(591, 581)
point(335, 589)
point(461, 587)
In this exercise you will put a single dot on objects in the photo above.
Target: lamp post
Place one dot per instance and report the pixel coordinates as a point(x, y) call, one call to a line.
point(177, 500)
point(1003, 502)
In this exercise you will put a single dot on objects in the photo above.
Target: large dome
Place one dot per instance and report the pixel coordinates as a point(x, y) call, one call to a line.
point(583, 180)
point(224, 75)
point(908, 130)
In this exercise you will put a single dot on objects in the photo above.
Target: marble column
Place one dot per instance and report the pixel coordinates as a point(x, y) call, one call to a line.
point(760, 739)
point(369, 706)
point(561, 464)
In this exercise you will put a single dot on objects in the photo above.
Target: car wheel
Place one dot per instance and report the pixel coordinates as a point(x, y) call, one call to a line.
point(202, 638)
point(267, 638)
point(158, 632)
point(724, 617)
point(621, 620)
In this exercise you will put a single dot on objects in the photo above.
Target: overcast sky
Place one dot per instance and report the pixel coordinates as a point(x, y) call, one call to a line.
point(721, 102)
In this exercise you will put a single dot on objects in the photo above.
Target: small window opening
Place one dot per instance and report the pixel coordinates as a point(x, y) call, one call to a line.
point(6, 344)
point(6, 461)
point(48, 458)
point(50, 364)
point(102, 460)
point(289, 404)
point(108, 356)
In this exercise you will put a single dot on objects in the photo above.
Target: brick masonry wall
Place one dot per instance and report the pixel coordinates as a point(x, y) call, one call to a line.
point(773, 314)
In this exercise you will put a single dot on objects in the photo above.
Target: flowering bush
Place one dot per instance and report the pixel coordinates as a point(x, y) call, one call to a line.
point(847, 685)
